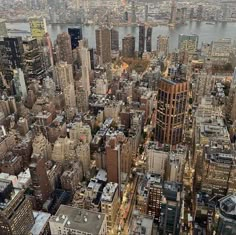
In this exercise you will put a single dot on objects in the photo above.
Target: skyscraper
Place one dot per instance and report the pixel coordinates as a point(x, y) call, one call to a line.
point(34, 66)
point(113, 161)
point(64, 49)
point(40, 182)
point(63, 75)
point(85, 65)
point(128, 46)
point(162, 45)
point(146, 13)
point(75, 36)
point(114, 40)
point(3, 28)
point(103, 45)
point(173, 12)
point(133, 13)
point(15, 50)
point(171, 208)
point(171, 108)
point(38, 27)
point(149, 39)
point(19, 83)
point(16, 215)
point(200, 13)
point(141, 44)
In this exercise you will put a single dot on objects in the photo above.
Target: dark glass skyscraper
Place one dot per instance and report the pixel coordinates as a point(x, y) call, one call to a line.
point(114, 40)
point(149, 40)
point(141, 39)
point(75, 35)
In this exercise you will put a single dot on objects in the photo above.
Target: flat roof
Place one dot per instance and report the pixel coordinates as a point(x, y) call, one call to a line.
point(41, 219)
point(79, 219)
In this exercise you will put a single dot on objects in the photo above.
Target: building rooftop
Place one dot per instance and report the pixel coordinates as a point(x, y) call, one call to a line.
point(41, 219)
point(79, 219)
point(109, 191)
point(141, 224)
point(228, 206)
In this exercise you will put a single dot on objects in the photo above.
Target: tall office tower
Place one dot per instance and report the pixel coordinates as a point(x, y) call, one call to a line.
point(171, 108)
point(227, 216)
point(128, 46)
point(133, 12)
point(40, 182)
point(15, 51)
point(183, 12)
point(79, 221)
point(110, 203)
point(162, 46)
point(173, 12)
point(188, 43)
point(149, 40)
point(141, 43)
point(225, 11)
point(171, 208)
point(16, 214)
point(146, 13)
point(3, 28)
point(11, 56)
point(200, 13)
point(85, 65)
point(191, 15)
point(75, 36)
point(38, 27)
point(63, 75)
point(103, 45)
point(19, 84)
point(126, 16)
point(113, 161)
point(92, 58)
point(114, 40)
point(34, 66)
point(64, 49)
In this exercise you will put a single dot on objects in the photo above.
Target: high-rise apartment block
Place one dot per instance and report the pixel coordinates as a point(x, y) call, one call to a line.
point(64, 49)
point(171, 109)
point(103, 45)
point(128, 46)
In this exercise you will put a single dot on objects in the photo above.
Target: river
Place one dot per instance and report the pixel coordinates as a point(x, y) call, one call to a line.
point(206, 32)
